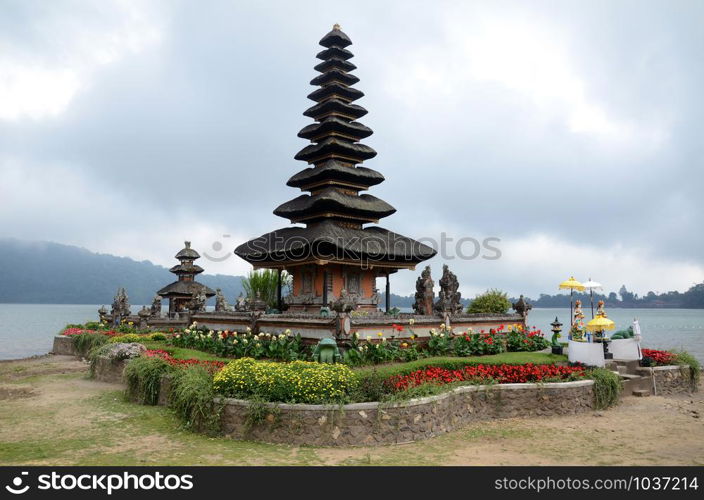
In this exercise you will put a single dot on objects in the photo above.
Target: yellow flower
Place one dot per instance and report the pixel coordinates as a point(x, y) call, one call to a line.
point(380, 334)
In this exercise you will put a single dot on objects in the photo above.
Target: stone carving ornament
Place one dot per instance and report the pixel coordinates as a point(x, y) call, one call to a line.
point(449, 296)
point(424, 293)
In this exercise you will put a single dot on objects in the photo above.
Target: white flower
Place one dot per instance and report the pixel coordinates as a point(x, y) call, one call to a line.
point(442, 326)
point(244, 341)
point(411, 322)
point(195, 323)
point(361, 349)
point(287, 331)
point(267, 334)
point(235, 341)
point(355, 335)
point(442, 335)
point(187, 330)
point(234, 334)
point(249, 329)
point(369, 337)
point(432, 332)
point(210, 332)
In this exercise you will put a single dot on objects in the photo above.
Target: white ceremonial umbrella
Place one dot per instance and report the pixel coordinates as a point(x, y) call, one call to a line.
point(591, 286)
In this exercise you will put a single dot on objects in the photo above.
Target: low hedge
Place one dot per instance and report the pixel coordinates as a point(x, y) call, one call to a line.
point(457, 363)
point(295, 382)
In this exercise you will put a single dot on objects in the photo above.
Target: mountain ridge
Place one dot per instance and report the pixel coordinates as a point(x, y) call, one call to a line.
point(44, 272)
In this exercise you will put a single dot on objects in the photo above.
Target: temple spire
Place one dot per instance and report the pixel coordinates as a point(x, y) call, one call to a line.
point(335, 150)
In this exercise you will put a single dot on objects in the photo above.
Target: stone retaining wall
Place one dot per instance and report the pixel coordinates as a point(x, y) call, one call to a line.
point(670, 379)
point(364, 424)
point(63, 344)
point(108, 370)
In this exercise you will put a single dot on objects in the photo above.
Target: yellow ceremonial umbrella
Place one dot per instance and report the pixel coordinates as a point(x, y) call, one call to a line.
point(571, 284)
point(600, 323)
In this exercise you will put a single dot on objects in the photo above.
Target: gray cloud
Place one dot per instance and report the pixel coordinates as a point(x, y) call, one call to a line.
point(194, 118)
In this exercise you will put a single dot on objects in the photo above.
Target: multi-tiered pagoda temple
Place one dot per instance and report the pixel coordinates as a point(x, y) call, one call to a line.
point(335, 253)
point(180, 293)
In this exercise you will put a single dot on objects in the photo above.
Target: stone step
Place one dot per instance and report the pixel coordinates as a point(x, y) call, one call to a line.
point(641, 393)
point(627, 365)
point(633, 383)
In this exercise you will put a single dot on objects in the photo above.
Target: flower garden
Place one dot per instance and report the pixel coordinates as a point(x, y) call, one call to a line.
point(203, 365)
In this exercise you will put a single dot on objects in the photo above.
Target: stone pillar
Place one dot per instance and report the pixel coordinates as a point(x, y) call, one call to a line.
point(388, 293)
point(279, 302)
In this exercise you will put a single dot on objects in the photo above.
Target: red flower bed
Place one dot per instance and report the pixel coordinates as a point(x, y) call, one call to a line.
point(159, 353)
point(660, 358)
point(503, 374)
point(79, 331)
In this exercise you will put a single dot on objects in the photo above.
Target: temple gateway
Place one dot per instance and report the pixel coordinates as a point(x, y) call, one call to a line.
point(336, 253)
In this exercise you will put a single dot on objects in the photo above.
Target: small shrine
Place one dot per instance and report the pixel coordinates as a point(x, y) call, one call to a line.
point(335, 255)
point(186, 294)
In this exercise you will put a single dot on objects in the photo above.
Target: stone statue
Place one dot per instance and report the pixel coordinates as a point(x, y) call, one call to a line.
point(424, 293)
point(345, 303)
point(120, 305)
point(198, 300)
point(578, 314)
point(221, 304)
point(102, 313)
point(241, 303)
point(522, 307)
point(258, 304)
point(374, 299)
point(449, 297)
point(327, 352)
point(143, 314)
point(600, 309)
point(156, 306)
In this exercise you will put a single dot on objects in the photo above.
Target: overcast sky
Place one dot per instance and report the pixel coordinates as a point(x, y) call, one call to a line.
point(572, 131)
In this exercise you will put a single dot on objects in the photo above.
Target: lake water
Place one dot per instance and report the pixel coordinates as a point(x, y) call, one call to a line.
point(28, 329)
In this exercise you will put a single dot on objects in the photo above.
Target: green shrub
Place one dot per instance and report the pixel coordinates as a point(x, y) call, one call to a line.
point(87, 342)
point(157, 336)
point(263, 284)
point(191, 398)
point(607, 387)
point(295, 382)
point(490, 302)
point(143, 376)
point(695, 368)
point(127, 339)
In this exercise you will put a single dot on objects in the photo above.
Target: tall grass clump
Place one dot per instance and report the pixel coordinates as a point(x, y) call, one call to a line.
point(683, 358)
point(87, 342)
point(607, 387)
point(143, 376)
point(191, 398)
point(264, 284)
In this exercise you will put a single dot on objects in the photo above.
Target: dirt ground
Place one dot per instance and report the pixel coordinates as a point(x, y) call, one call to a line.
point(52, 414)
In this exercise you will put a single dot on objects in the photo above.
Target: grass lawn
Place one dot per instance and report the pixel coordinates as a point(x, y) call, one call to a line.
point(52, 414)
point(182, 352)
